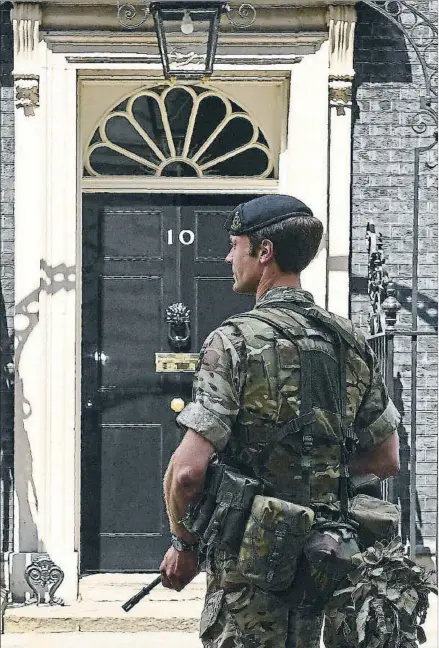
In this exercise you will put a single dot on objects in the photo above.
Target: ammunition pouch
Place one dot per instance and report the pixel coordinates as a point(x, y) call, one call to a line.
point(200, 513)
point(234, 500)
point(376, 519)
point(219, 517)
point(273, 541)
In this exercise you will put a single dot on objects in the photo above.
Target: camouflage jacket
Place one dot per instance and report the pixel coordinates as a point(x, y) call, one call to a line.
point(248, 383)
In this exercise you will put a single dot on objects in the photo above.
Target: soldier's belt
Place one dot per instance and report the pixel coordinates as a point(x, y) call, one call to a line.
point(277, 541)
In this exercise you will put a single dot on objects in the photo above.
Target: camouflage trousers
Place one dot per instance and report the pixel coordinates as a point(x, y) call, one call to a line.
point(238, 614)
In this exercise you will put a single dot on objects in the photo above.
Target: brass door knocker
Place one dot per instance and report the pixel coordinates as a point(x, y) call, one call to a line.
point(179, 329)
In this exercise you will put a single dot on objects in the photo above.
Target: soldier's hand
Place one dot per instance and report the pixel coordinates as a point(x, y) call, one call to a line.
point(178, 568)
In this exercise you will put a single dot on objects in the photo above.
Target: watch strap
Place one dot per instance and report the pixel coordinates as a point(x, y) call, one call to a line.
point(182, 545)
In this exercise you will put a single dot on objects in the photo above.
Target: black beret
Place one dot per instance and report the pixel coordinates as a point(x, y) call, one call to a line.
point(263, 211)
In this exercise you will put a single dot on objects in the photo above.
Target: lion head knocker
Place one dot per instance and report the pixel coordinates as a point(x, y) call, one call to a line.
point(179, 331)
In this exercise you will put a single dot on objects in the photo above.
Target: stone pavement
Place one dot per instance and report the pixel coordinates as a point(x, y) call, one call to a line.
point(147, 639)
point(166, 619)
point(102, 640)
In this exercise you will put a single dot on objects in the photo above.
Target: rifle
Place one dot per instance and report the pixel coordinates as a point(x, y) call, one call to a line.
point(140, 595)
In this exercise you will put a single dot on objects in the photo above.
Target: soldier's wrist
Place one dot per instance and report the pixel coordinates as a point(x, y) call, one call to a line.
point(180, 544)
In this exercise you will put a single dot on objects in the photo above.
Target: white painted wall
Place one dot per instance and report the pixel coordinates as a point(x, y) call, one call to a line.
point(303, 166)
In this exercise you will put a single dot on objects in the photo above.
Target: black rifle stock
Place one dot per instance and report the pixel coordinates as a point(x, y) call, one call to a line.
point(140, 595)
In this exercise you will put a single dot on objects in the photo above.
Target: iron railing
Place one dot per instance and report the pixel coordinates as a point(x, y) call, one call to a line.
point(395, 489)
point(387, 341)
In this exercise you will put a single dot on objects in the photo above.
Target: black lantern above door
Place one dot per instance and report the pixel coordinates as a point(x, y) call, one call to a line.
point(187, 31)
point(187, 35)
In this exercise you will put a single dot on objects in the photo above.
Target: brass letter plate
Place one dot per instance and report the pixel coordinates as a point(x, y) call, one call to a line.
point(175, 362)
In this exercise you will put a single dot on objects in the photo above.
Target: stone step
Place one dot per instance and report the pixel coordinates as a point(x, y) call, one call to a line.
point(150, 616)
point(120, 587)
point(98, 608)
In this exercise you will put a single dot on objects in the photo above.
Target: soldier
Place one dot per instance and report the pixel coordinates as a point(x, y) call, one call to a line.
point(247, 384)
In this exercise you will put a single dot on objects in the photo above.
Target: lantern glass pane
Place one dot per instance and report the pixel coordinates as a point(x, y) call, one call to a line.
point(187, 39)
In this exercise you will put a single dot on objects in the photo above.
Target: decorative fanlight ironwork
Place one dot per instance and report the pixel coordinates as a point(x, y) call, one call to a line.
point(382, 293)
point(140, 137)
point(187, 31)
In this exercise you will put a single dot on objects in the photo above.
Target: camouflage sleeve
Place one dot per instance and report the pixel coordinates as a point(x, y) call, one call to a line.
point(217, 387)
point(377, 418)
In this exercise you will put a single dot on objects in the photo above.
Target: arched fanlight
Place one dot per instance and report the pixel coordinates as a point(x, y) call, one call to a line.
point(187, 31)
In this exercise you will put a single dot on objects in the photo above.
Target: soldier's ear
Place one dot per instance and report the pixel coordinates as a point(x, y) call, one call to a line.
point(266, 251)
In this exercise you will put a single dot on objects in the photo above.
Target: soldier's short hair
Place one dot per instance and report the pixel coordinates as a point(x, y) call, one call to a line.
point(295, 241)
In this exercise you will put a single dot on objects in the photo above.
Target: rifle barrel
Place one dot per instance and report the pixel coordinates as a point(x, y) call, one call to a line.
point(140, 595)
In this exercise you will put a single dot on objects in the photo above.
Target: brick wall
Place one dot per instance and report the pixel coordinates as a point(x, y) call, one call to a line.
point(389, 85)
point(6, 273)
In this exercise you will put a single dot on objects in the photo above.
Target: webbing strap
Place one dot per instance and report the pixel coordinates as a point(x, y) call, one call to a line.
point(307, 415)
point(268, 319)
point(344, 473)
point(276, 552)
point(307, 438)
point(343, 339)
point(291, 427)
point(216, 521)
point(326, 320)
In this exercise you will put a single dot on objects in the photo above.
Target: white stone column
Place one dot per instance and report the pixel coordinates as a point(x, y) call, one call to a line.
point(303, 170)
point(30, 126)
point(45, 258)
point(60, 270)
point(341, 19)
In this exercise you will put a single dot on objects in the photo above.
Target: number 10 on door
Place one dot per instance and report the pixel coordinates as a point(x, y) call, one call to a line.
point(186, 237)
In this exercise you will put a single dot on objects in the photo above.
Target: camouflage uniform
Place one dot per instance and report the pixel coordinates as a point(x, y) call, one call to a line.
point(247, 383)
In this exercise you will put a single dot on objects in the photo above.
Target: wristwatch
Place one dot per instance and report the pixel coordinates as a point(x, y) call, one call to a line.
point(181, 545)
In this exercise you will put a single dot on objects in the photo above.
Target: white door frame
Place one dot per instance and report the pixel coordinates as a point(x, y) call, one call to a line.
point(48, 189)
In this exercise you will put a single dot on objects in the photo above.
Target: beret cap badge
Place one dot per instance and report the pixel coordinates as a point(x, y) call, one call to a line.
point(236, 223)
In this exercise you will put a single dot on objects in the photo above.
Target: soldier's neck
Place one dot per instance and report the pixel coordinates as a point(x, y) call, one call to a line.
point(275, 279)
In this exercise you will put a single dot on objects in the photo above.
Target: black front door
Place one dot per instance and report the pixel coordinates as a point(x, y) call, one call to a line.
point(141, 253)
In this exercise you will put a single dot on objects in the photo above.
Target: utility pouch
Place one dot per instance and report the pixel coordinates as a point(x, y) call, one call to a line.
point(376, 519)
point(273, 541)
point(234, 499)
point(200, 513)
point(325, 562)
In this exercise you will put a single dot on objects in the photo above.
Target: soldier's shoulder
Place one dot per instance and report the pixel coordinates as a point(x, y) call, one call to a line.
point(250, 327)
point(353, 330)
point(224, 335)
